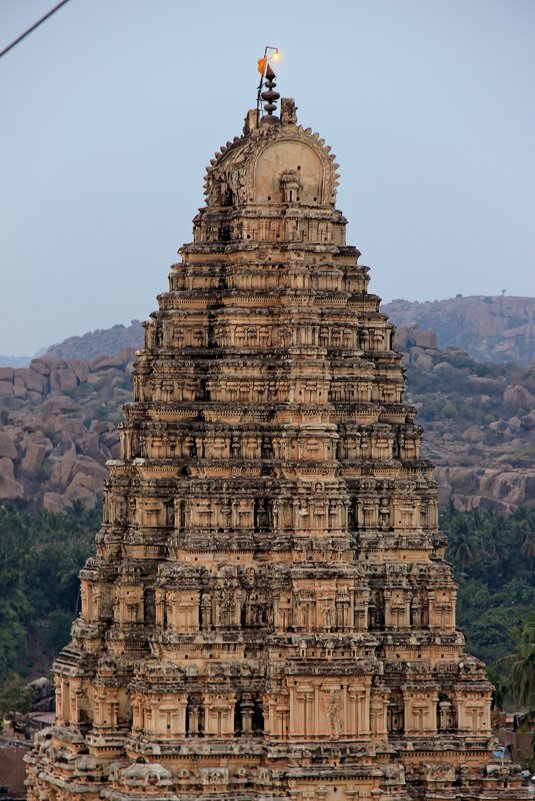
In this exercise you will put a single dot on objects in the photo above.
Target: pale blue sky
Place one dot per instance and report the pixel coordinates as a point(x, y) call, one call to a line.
point(111, 110)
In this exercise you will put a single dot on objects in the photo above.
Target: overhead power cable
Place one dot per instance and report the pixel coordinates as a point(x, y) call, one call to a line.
point(33, 27)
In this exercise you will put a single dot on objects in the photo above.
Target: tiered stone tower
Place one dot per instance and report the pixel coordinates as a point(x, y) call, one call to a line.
point(269, 614)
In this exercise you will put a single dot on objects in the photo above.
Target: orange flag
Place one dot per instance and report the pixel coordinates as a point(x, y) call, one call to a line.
point(262, 65)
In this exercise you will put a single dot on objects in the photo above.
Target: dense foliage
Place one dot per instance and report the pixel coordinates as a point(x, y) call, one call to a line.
point(494, 562)
point(40, 557)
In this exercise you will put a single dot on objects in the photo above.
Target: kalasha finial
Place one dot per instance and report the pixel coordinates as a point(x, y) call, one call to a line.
point(269, 95)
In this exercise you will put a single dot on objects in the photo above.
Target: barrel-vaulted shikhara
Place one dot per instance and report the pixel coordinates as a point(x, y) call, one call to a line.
point(269, 614)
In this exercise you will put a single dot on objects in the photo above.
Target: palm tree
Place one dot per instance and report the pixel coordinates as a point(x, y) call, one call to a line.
point(79, 518)
point(523, 669)
point(464, 542)
point(500, 687)
point(525, 529)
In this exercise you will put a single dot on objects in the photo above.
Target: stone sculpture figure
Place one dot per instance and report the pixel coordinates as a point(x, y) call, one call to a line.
point(332, 707)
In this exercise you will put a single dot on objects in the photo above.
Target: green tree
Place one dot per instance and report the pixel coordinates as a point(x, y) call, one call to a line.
point(15, 702)
point(40, 558)
point(523, 666)
point(15, 609)
point(500, 688)
point(496, 586)
point(525, 522)
point(463, 541)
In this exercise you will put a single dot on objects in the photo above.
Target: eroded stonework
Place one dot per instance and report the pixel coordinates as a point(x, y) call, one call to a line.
point(269, 614)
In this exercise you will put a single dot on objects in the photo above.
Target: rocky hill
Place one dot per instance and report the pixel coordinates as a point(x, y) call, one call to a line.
point(58, 425)
point(479, 422)
point(103, 340)
point(490, 329)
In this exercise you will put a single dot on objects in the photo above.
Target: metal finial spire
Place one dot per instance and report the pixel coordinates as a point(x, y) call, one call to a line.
point(270, 96)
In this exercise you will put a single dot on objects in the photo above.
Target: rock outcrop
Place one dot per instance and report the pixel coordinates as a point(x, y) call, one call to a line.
point(58, 426)
point(490, 329)
point(479, 419)
point(110, 341)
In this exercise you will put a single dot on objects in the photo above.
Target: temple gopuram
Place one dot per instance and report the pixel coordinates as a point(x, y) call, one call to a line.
point(269, 614)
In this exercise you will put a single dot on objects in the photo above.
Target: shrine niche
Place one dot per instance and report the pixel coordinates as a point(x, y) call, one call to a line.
point(268, 614)
point(289, 172)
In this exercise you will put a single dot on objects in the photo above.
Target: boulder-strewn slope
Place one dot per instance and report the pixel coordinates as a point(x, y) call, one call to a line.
point(479, 422)
point(103, 340)
point(491, 329)
point(58, 425)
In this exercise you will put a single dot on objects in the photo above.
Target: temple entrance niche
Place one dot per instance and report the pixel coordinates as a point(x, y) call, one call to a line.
point(446, 714)
point(248, 716)
point(194, 723)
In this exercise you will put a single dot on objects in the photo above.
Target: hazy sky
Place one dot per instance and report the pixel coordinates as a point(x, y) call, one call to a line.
point(111, 110)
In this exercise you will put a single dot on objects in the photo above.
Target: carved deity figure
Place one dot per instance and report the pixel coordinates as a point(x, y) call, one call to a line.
point(206, 611)
point(332, 703)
